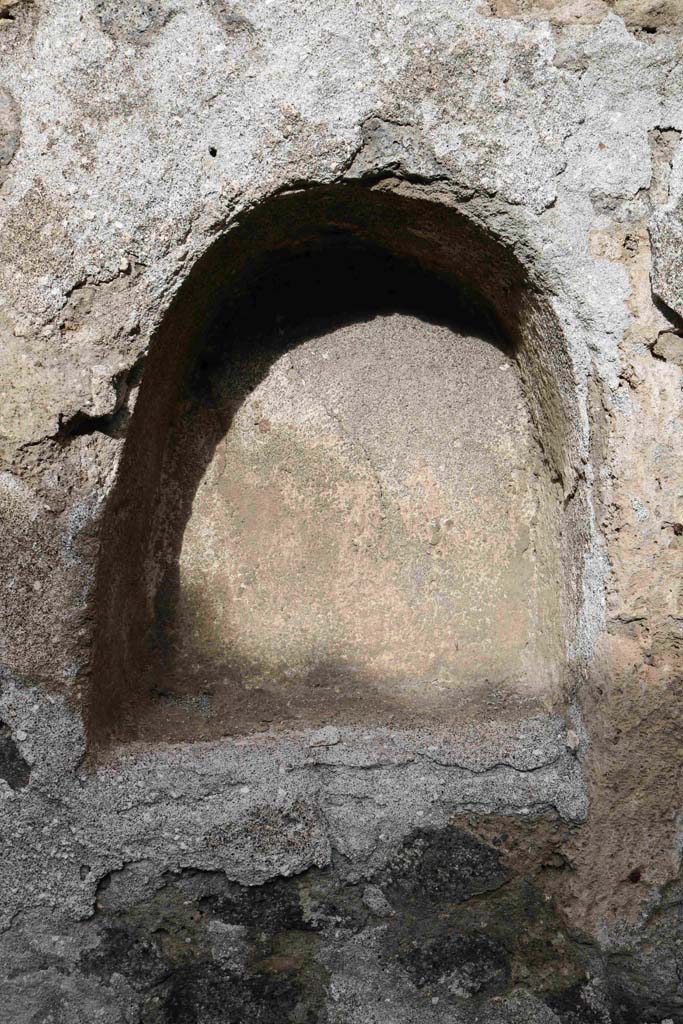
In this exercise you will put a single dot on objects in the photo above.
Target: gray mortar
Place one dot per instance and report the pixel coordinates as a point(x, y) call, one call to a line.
point(209, 807)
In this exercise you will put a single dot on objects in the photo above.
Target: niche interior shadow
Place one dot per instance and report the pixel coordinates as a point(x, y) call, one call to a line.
point(169, 660)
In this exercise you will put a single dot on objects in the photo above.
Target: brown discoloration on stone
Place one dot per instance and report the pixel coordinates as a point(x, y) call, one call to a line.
point(632, 694)
point(560, 12)
point(669, 346)
point(644, 15)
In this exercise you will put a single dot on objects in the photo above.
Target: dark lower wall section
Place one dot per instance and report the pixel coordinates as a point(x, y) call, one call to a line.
point(453, 929)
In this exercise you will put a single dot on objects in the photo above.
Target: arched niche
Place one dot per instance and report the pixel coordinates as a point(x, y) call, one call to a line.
point(343, 492)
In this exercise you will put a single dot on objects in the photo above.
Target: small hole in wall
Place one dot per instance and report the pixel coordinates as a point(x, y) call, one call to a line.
point(635, 875)
point(13, 768)
point(213, 151)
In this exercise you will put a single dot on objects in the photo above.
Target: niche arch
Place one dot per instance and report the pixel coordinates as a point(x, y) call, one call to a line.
point(239, 538)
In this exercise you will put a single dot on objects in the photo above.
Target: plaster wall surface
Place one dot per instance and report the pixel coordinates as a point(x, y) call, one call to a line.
point(368, 539)
point(383, 528)
point(506, 859)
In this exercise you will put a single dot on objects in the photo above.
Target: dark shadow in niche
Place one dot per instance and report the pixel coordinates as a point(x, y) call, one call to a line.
point(292, 299)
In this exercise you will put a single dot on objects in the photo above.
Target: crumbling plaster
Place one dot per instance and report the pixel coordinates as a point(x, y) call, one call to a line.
point(547, 135)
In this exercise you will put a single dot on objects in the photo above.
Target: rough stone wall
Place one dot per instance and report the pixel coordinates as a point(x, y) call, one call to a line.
point(519, 865)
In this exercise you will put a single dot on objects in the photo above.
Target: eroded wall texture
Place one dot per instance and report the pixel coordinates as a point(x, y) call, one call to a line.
point(341, 512)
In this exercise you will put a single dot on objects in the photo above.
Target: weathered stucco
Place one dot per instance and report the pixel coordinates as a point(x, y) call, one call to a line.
point(341, 356)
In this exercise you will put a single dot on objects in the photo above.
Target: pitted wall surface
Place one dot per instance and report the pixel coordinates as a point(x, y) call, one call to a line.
point(513, 864)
